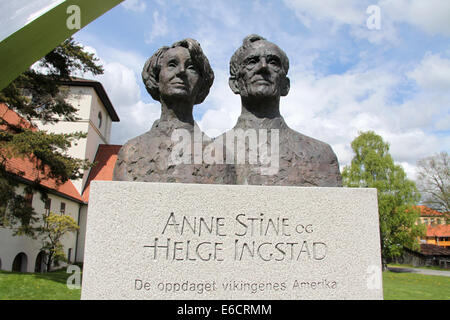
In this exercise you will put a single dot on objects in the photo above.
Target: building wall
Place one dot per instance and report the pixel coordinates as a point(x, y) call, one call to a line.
point(439, 241)
point(432, 220)
point(11, 246)
point(89, 105)
point(97, 107)
point(81, 234)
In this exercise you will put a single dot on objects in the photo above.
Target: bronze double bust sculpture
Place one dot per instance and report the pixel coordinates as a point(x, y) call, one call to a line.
point(180, 77)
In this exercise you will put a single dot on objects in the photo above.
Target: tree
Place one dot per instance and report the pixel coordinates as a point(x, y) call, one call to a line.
point(55, 226)
point(373, 167)
point(433, 179)
point(38, 95)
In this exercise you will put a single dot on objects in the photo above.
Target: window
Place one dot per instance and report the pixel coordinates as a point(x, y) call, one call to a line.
point(69, 255)
point(2, 215)
point(62, 209)
point(100, 116)
point(29, 198)
point(48, 203)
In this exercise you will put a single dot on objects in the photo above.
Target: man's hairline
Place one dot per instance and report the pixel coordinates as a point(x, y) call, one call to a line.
point(243, 49)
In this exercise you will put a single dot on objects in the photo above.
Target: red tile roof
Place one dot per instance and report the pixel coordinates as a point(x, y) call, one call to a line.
point(105, 158)
point(26, 168)
point(440, 230)
point(13, 119)
point(428, 212)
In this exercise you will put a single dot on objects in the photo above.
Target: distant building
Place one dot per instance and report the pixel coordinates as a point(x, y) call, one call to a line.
point(20, 253)
point(429, 255)
point(434, 246)
point(430, 217)
point(438, 230)
point(438, 235)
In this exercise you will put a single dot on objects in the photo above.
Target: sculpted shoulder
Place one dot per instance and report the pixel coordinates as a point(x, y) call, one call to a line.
point(312, 161)
point(136, 150)
point(305, 146)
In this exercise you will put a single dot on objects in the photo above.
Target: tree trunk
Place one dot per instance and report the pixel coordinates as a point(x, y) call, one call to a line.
point(49, 261)
point(384, 266)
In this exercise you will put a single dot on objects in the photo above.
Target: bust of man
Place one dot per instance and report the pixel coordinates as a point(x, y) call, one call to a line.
point(258, 73)
point(179, 77)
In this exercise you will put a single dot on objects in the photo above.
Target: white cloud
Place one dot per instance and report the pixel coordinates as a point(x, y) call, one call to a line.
point(411, 171)
point(334, 108)
point(121, 80)
point(121, 83)
point(135, 5)
point(433, 73)
point(135, 119)
point(160, 27)
point(431, 16)
point(339, 12)
point(136, 116)
point(224, 107)
point(443, 124)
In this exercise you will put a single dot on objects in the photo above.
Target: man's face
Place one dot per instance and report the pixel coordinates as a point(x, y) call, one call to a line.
point(261, 73)
point(178, 77)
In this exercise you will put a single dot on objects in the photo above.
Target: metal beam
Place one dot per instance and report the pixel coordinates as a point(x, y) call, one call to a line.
point(29, 44)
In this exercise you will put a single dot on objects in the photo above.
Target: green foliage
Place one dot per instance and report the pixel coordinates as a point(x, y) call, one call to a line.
point(54, 227)
point(37, 94)
point(373, 167)
point(15, 212)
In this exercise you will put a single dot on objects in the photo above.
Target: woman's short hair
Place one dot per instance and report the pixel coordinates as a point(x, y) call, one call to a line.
point(152, 68)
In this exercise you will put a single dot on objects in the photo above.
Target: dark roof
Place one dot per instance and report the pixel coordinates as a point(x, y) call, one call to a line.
point(433, 250)
point(98, 87)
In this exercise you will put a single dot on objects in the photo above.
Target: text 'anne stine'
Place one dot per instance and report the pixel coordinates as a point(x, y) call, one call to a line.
point(196, 238)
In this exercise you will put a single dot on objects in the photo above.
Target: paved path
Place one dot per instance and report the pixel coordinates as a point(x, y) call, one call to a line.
point(420, 271)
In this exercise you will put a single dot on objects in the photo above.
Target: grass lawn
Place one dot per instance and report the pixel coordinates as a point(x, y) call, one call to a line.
point(411, 286)
point(36, 286)
point(52, 286)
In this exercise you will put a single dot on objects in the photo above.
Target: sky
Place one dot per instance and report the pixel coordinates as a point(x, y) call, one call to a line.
point(348, 75)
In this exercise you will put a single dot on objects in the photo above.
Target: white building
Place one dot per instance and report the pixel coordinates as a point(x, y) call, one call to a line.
point(96, 113)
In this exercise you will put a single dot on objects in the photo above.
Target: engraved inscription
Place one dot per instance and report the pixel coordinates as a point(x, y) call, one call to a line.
point(200, 238)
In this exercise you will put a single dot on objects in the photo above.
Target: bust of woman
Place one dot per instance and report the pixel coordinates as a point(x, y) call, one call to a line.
point(179, 77)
